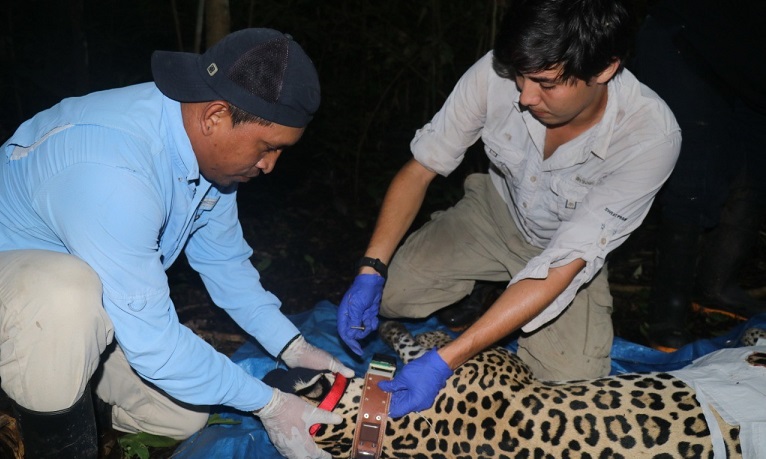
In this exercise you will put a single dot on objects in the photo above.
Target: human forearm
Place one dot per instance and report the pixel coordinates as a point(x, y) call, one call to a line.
point(520, 303)
point(358, 310)
point(400, 206)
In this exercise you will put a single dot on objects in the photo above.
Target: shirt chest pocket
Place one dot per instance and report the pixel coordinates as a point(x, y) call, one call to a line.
point(509, 162)
point(567, 196)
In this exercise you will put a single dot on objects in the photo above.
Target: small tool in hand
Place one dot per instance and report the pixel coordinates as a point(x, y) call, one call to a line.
point(359, 327)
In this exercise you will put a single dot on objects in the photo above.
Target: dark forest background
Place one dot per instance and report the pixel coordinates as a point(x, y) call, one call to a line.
point(385, 68)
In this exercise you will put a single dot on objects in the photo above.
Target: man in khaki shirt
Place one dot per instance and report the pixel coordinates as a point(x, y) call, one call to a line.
point(578, 149)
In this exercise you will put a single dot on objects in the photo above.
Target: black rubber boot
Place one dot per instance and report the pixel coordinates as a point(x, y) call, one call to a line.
point(460, 315)
point(65, 434)
point(108, 438)
point(672, 286)
point(727, 247)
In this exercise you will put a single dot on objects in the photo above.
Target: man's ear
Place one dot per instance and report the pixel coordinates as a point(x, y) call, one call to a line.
point(214, 115)
point(608, 72)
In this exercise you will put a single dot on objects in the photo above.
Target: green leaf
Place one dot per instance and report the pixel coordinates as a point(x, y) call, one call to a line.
point(131, 448)
point(217, 419)
point(263, 265)
point(312, 263)
point(137, 444)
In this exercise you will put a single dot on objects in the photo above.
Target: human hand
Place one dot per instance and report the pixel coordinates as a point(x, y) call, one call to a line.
point(416, 386)
point(300, 353)
point(359, 308)
point(287, 419)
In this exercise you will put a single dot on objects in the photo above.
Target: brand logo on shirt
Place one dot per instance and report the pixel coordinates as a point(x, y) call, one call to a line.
point(208, 203)
point(584, 181)
point(615, 214)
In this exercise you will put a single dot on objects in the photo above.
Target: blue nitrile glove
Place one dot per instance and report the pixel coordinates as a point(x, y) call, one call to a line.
point(416, 386)
point(359, 308)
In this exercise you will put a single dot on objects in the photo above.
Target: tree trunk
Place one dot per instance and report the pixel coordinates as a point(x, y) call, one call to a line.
point(218, 21)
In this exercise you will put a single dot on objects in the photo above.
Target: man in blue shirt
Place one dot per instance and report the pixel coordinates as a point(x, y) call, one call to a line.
point(99, 196)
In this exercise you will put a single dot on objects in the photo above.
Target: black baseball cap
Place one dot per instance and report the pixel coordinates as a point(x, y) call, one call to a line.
point(262, 71)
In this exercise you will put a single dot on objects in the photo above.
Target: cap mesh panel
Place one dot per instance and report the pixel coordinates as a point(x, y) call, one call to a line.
point(261, 70)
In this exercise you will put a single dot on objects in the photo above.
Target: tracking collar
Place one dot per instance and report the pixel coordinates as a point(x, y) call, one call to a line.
point(373, 409)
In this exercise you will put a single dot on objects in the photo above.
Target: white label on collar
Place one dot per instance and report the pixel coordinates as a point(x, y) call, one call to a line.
point(208, 203)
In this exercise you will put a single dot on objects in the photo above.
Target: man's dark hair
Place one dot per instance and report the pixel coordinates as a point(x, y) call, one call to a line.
point(239, 116)
point(582, 36)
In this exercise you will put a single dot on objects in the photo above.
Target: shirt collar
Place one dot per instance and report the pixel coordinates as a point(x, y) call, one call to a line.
point(595, 141)
point(600, 137)
point(177, 141)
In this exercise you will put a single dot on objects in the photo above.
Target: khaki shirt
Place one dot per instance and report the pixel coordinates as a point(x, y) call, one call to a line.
point(585, 199)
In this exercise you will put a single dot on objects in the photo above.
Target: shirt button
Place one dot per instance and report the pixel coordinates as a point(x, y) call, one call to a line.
point(533, 179)
point(524, 205)
point(603, 241)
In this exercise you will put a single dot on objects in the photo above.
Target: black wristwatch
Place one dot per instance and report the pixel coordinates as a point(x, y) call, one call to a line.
point(375, 264)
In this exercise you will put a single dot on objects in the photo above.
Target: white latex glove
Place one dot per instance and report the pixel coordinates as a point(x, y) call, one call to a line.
point(287, 419)
point(302, 354)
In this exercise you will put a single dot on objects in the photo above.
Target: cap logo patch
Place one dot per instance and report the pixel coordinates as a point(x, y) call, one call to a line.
point(212, 69)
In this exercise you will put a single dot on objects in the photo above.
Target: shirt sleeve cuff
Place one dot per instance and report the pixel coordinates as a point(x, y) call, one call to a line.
point(538, 268)
point(276, 331)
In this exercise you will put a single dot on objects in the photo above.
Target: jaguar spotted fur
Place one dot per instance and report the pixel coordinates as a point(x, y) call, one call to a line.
point(493, 407)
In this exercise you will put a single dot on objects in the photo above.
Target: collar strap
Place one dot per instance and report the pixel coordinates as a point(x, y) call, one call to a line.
point(332, 398)
point(373, 409)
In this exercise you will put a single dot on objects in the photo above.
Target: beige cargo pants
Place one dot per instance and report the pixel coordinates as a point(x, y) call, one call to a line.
point(478, 240)
point(55, 336)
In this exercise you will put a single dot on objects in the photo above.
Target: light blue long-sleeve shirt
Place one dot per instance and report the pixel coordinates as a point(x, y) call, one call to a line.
point(112, 179)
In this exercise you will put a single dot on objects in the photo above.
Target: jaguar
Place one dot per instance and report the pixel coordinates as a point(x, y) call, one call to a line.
point(493, 407)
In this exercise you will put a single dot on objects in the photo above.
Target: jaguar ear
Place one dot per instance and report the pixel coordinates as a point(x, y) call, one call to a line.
point(312, 384)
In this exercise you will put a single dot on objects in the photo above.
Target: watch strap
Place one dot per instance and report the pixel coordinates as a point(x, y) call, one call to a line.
point(375, 264)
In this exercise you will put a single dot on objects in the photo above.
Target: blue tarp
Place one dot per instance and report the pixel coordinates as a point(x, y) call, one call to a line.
point(247, 438)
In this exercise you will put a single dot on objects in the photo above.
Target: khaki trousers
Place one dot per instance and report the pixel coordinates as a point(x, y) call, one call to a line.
point(55, 338)
point(477, 239)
